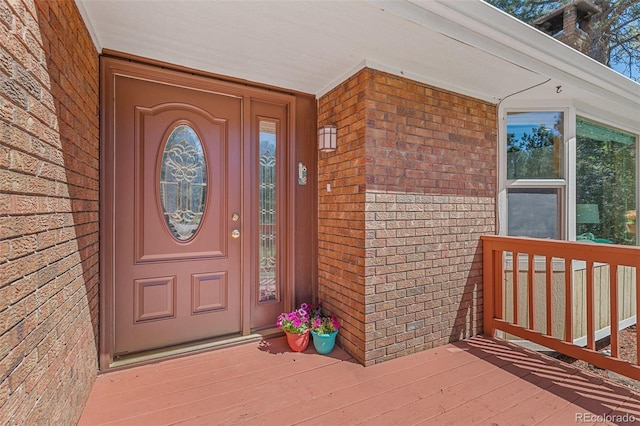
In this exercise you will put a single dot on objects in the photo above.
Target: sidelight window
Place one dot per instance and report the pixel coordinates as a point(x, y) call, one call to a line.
point(267, 217)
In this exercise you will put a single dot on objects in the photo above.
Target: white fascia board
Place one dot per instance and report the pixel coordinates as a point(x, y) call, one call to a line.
point(532, 48)
point(484, 27)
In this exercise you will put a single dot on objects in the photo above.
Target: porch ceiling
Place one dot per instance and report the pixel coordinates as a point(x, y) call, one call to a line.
point(310, 46)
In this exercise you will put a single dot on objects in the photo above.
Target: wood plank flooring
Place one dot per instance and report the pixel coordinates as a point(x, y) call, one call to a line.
point(479, 381)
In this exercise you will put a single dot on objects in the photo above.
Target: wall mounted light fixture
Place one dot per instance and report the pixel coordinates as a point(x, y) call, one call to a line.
point(327, 138)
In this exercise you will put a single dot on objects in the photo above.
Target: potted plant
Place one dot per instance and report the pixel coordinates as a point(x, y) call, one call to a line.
point(630, 216)
point(296, 326)
point(324, 330)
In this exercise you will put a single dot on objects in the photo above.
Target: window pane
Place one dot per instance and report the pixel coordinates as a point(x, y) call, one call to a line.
point(183, 182)
point(534, 212)
point(535, 145)
point(605, 184)
point(267, 212)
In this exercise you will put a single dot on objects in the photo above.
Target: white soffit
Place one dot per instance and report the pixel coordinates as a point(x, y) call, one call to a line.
point(310, 46)
point(300, 45)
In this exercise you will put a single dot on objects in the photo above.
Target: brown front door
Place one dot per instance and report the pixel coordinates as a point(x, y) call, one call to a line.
point(197, 190)
point(178, 213)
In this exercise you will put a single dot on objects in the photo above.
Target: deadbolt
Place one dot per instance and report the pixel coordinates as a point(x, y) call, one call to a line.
point(235, 233)
point(235, 217)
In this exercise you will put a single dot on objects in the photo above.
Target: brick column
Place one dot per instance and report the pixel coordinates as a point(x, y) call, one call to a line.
point(341, 213)
point(415, 187)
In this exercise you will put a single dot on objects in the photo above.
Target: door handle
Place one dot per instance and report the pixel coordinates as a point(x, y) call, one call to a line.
point(236, 232)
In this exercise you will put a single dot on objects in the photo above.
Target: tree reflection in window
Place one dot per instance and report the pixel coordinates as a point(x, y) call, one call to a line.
point(535, 145)
point(183, 182)
point(606, 178)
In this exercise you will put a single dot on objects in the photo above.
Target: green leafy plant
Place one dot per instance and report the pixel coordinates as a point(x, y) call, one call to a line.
point(307, 317)
point(323, 324)
point(630, 215)
point(296, 322)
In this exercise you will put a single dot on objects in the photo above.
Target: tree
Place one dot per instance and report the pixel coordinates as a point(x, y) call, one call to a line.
point(534, 154)
point(605, 172)
point(615, 31)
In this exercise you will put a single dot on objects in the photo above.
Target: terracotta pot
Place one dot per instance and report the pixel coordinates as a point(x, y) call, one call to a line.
point(324, 343)
point(298, 342)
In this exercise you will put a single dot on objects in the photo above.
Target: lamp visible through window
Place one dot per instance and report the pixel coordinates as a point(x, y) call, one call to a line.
point(587, 213)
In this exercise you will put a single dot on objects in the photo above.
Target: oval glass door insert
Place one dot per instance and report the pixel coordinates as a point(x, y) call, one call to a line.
point(183, 182)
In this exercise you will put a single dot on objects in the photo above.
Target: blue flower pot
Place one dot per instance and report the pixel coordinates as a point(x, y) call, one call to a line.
point(324, 343)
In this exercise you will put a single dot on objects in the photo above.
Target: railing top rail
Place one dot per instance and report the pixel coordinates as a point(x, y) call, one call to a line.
point(615, 254)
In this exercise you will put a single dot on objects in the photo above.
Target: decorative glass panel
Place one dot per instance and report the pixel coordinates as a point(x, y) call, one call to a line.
point(535, 145)
point(267, 211)
point(605, 184)
point(183, 182)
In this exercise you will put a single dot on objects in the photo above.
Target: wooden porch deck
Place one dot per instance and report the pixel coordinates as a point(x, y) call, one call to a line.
point(476, 381)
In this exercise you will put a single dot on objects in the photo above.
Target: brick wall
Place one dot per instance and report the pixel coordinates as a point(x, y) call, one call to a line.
point(48, 212)
point(341, 215)
point(425, 165)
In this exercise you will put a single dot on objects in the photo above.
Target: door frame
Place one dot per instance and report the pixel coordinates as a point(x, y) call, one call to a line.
point(113, 65)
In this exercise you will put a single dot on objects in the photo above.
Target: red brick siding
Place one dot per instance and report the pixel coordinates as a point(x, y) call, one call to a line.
point(341, 215)
point(48, 212)
point(429, 168)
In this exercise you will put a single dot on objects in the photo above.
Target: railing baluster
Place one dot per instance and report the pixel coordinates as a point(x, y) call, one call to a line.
point(548, 276)
point(516, 273)
point(499, 289)
point(568, 297)
point(613, 303)
point(488, 277)
point(531, 288)
point(591, 335)
point(637, 269)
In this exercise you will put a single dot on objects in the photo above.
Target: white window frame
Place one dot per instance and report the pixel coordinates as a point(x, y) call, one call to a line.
point(568, 182)
point(565, 184)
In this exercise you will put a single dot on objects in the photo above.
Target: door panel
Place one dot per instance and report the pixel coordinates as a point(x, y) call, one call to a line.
point(177, 268)
point(151, 243)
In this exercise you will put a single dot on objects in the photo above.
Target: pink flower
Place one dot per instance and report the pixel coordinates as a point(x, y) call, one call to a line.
point(336, 323)
point(307, 317)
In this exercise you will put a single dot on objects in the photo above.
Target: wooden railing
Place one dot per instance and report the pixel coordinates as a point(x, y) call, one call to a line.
point(515, 267)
